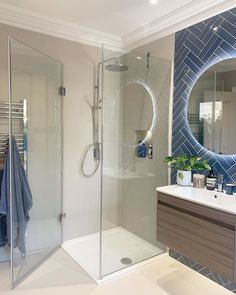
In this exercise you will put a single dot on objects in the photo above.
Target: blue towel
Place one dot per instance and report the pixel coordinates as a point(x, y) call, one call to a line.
point(21, 199)
point(3, 225)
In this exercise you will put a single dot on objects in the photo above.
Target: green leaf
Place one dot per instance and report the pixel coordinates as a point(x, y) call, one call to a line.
point(187, 163)
point(181, 176)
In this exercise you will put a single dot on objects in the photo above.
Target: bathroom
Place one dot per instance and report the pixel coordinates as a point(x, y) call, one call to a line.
point(110, 215)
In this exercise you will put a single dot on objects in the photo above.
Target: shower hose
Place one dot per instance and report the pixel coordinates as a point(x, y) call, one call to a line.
point(94, 146)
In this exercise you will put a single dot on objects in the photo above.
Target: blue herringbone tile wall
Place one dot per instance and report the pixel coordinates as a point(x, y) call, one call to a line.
point(196, 49)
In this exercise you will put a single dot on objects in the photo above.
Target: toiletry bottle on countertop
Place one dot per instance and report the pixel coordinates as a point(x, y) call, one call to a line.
point(229, 188)
point(211, 180)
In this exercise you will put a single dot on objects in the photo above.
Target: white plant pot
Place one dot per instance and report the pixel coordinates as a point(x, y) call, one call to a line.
point(186, 178)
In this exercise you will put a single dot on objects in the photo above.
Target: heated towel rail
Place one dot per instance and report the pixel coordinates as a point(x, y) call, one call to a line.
point(19, 119)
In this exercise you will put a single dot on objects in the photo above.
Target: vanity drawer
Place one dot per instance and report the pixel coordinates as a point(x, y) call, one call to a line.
point(203, 239)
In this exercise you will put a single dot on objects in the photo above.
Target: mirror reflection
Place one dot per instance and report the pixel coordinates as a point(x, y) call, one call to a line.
point(138, 114)
point(212, 108)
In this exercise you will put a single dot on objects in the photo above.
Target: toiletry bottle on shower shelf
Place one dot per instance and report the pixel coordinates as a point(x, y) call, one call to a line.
point(139, 149)
point(150, 150)
point(143, 150)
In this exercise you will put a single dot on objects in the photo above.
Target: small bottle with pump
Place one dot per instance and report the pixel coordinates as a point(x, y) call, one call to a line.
point(150, 151)
point(220, 183)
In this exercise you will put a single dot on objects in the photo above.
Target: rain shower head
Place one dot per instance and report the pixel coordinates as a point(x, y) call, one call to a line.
point(116, 68)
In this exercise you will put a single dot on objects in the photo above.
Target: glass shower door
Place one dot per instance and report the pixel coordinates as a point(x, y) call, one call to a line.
point(136, 95)
point(36, 125)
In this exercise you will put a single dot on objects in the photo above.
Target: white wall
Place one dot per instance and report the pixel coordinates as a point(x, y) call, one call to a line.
point(162, 48)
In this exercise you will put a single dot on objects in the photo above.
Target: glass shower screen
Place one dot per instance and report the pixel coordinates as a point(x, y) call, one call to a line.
point(36, 144)
point(136, 95)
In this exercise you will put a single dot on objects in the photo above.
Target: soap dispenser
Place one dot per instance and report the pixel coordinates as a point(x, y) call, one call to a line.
point(211, 180)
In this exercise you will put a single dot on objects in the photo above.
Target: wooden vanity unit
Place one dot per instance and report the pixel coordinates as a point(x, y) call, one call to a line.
point(202, 233)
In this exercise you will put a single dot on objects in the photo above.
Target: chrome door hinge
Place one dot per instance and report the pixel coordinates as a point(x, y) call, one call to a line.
point(62, 91)
point(61, 217)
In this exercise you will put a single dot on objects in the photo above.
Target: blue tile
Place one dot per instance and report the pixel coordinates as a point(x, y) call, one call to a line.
point(179, 57)
point(206, 22)
point(213, 43)
point(195, 30)
point(231, 286)
point(195, 60)
point(228, 27)
point(224, 35)
point(227, 48)
point(188, 80)
point(181, 38)
point(210, 31)
point(201, 26)
point(233, 11)
point(194, 54)
point(225, 164)
point(212, 60)
point(180, 87)
point(198, 43)
point(214, 20)
point(229, 16)
point(191, 65)
point(204, 271)
point(191, 46)
point(221, 53)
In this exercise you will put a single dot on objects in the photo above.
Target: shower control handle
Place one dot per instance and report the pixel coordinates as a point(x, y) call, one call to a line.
point(61, 217)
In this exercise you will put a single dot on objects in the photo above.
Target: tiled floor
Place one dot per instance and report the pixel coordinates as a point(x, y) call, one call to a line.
point(60, 275)
point(117, 243)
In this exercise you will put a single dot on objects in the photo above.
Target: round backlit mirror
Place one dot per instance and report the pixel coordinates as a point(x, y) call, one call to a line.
point(212, 108)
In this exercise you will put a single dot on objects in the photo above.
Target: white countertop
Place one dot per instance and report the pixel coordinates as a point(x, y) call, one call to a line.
point(205, 197)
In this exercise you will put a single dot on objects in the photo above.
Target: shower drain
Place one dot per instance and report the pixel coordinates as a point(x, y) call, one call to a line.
point(126, 260)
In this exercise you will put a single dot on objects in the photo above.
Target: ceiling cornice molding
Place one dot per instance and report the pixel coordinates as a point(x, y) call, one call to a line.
point(26, 19)
point(178, 19)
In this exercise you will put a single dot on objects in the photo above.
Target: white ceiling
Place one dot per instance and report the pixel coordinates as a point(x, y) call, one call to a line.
point(118, 17)
point(107, 21)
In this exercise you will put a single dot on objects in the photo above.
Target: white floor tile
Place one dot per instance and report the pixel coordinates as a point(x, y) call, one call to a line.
point(61, 275)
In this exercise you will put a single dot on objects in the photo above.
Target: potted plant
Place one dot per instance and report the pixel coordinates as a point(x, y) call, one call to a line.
point(184, 165)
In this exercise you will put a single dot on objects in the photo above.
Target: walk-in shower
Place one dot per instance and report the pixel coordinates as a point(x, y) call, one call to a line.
point(130, 110)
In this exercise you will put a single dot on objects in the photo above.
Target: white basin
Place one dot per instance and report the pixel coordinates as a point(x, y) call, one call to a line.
point(213, 199)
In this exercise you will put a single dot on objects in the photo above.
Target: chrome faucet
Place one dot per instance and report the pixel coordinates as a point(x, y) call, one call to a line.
point(220, 182)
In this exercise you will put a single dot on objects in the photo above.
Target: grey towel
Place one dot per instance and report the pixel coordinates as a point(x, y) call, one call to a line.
point(21, 199)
